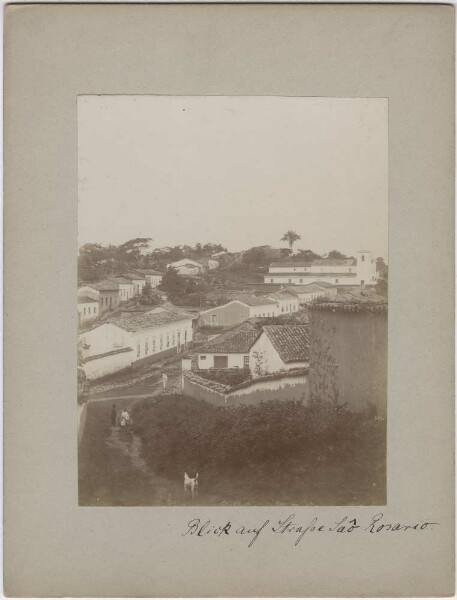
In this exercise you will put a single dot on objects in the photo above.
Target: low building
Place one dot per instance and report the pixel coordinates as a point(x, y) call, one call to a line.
point(287, 301)
point(106, 292)
point(126, 287)
point(153, 278)
point(209, 264)
point(88, 309)
point(239, 310)
point(159, 333)
point(227, 351)
point(307, 293)
point(138, 281)
point(360, 271)
point(279, 348)
point(186, 266)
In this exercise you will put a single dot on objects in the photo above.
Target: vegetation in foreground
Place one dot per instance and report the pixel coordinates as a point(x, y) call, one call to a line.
point(275, 453)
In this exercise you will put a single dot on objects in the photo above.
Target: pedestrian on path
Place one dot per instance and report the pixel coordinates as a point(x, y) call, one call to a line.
point(113, 415)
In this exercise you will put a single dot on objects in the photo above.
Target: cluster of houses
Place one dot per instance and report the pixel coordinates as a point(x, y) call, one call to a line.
point(95, 298)
point(359, 271)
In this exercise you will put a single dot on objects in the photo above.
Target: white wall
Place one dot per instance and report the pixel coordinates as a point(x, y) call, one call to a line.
point(87, 311)
point(105, 338)
point(269, 310)
point(268, 359)
point(158, 339)
point(287, 305)
point(234, 360)
point(108, 364)
point(154, 280)
point(297, 280)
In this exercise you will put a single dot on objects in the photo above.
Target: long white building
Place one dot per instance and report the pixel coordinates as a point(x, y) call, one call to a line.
point(360, 271)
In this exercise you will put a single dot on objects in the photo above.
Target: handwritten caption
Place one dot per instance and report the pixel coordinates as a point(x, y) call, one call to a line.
point(289, 526)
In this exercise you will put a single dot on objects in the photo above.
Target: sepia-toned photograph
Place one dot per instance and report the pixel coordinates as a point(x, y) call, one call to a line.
point(232, 301)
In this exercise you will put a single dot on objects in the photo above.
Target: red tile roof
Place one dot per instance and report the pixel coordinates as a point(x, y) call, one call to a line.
point(290, 341)
point(239, 342)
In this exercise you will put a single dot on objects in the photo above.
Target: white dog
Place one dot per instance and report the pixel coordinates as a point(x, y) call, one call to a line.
point(191, 484)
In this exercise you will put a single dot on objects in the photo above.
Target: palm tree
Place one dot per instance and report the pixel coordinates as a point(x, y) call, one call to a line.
point(290, 237)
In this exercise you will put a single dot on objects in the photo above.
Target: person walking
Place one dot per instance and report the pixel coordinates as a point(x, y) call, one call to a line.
point(113, 415)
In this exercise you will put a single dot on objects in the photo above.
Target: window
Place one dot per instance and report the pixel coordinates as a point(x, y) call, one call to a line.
point(173, 342)
point(95, 310)
point(202, 357)
point(138, 351)
point(246, 362)
point(88, 309)
point(290, 280)
point(161, 341)
point(271, 280)
point(84, 311)
point(301, 280)
point(363, 258)
point(336, 280)
point(213, 320)
point(168, 340)
point(146, 346)
point(350, 270)
point(282, 308)
point(154, 343)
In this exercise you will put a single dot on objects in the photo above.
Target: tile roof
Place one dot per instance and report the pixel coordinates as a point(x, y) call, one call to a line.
point(86, 300)
point(290, 341)
point(239, 342)
point(290, 263)
point(103, 286)
point(148, 272)
point(120, 279)
point(133, 276)
point(310, 288)
point(334, 262)
point(137, 322)
point(255, 300)
point(283, 295)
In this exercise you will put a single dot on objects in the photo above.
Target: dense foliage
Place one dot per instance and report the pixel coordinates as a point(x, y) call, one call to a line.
point(230, 377)
point(276, 452)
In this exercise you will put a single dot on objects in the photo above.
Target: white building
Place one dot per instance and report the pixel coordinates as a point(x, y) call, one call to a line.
point(186, 266)
point(138, 282)
point(124, 340)
point(227, 351)
point(126, 287)
point(88, 309)
point(287, 301)
point(311, 291)
point(153, 278)
point(360, 271)
point(279, 348)
point(239, 310)
point(209, 264)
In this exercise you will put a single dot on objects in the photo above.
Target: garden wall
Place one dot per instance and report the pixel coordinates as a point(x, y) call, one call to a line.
point(287, 387)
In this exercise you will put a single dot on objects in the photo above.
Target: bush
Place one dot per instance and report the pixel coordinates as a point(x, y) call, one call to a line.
point(264, 445)
point(229, 377)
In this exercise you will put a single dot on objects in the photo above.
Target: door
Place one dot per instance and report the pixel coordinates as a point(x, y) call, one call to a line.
point(214, 320)
point(221, 362)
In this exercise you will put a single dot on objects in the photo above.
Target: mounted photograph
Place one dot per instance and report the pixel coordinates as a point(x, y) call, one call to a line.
point(232, 301)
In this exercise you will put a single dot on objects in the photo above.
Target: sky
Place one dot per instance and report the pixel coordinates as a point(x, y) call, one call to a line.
point(234, 170)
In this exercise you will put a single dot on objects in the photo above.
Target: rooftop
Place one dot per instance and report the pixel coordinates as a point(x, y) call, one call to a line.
point(154, 318)
point(283, 294)
point(335, 262)
point(133, 276)
point(86, 300)
point(255, 300)
point(103, 286)
point(239, 342)
point(310, 288)
point(148, 272)
point(120, 279)
point(290, 341)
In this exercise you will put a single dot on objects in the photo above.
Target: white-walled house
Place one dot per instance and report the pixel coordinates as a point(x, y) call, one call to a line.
point(158, 333)
point(359, 271)
point(88, 309)
point(153, 278)
point(209, 264)
point(279, 348)
point(138, 281)
point(239, 310)
point(287, 301)
point(106, 292)
point(126, 287)
point(311, 291)
point(227, 351)
point(186, 266)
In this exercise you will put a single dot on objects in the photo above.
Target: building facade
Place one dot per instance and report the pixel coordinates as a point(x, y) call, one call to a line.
point(311, 291)
point(106, 292)
point(126, 287)
point(280, 348)
point(153, 335)
point(88, 309)
point(360, 271)
point(287, 301)
point(239, 310)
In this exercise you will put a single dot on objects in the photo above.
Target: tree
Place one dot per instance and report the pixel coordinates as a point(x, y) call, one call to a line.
point(255, 256)
point(173, 284)
point(290, 237)
point(336, 255)
point(382, 287)
point(308, 255)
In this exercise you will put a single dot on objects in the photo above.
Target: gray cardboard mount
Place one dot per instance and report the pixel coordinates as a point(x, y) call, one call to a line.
point(53, 53)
